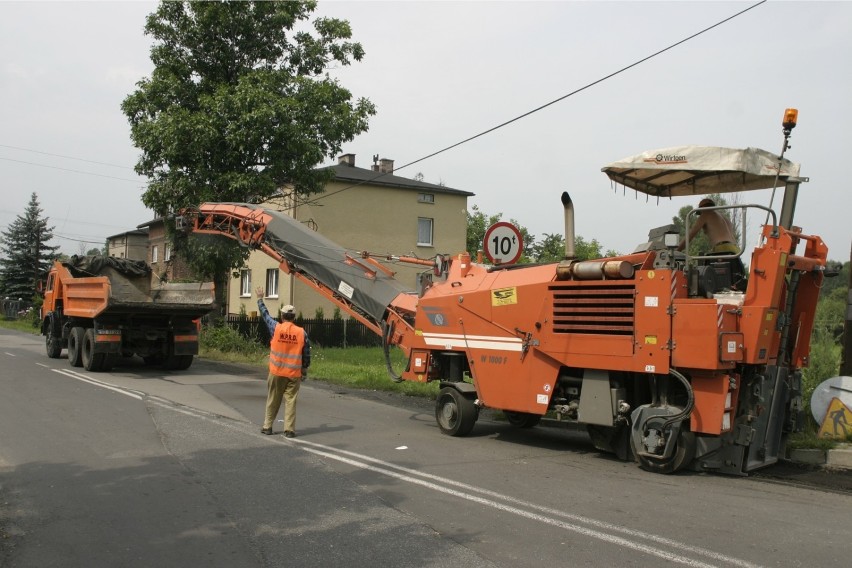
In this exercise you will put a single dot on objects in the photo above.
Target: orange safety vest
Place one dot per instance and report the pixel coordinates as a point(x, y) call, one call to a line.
point(285, 350)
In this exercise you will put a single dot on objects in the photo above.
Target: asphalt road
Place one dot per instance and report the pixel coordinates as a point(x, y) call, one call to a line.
point(138, 467)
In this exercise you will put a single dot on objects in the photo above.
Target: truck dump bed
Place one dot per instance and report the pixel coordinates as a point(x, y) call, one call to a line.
point(97, 285)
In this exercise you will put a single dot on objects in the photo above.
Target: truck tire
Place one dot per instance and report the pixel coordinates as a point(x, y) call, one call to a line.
point(52, 344)
point(455, 413)
point(75, 346)
point(91, 361)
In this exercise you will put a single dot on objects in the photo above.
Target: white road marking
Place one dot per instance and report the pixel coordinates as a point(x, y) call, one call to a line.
point(634, 539)
point(91, 381)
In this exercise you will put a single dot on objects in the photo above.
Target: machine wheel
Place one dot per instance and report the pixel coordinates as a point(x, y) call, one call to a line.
point(92, 361)
point(75, 346)
point(52, 344)
point(455, 413)
point(683, 454)
point(522, 419)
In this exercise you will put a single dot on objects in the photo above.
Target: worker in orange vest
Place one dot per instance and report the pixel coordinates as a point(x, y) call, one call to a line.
point(289, 359)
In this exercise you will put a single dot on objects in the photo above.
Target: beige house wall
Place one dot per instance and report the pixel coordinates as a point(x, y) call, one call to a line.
point(381, 220)
point(257, 266)
point(128, 245)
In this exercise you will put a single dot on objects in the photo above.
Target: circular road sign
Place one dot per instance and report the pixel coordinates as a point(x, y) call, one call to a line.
point(503, 243)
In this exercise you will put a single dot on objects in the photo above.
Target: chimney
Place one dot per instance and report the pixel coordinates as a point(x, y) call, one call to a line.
point(346, 160)
point(384, 165)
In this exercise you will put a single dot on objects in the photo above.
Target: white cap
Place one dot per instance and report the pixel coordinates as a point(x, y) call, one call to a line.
point(288, 309)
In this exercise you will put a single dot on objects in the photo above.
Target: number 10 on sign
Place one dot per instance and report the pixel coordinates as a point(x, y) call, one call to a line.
point(503, 243)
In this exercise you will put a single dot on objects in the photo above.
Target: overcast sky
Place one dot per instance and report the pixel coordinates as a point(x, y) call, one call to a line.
point(440, 72)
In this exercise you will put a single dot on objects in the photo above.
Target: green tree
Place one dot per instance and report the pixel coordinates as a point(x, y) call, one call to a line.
point(27, 254)
point(238, 106)
point(552, 249)
point(477, 223)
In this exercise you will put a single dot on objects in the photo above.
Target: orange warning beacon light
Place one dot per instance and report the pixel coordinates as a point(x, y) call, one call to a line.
point(791, 115)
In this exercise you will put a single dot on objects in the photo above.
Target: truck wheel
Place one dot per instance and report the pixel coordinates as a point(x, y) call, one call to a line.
point(455, 413)
point(75, 346)
point(91, 361)
point(522, 419)
point(53, 345)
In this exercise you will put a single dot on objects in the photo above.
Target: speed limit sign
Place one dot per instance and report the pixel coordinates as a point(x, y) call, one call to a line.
point(503, 243)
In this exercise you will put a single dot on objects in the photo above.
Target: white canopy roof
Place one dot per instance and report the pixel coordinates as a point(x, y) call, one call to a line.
point(698, 170)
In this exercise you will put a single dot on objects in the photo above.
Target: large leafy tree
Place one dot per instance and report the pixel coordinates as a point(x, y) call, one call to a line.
point(238, 106)
point(27, 253)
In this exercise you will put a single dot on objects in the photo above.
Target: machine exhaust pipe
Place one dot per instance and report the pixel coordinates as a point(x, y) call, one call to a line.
point(568, 207)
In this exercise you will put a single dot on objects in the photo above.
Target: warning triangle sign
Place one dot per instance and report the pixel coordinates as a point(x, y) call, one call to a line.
point(837, 424)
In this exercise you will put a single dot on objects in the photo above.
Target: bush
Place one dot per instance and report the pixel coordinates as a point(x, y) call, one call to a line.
point(824, 362)
point(227, 340)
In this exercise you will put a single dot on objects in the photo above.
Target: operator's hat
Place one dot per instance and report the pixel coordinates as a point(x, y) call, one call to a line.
point(288, 310)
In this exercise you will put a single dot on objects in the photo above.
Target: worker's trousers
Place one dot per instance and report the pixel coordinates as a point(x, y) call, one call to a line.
point(278, 388)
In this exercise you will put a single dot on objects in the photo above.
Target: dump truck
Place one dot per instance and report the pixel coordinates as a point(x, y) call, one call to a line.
point(102, 309)
point(660, 355)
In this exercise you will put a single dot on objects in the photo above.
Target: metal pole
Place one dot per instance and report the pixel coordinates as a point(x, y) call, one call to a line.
point(846, 344)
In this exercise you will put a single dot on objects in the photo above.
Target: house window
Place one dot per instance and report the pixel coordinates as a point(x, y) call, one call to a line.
point(272, 283)
point(424, 232)
point(167, 253)
point(245, 283)
point(426, 197)
point(155, 254)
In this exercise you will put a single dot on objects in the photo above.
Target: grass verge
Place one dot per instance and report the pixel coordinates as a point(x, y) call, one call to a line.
point(355, 367)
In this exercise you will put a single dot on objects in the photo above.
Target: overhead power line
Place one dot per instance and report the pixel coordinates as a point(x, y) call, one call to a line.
point(66, 157)
point(137, 181)
point(544, 106)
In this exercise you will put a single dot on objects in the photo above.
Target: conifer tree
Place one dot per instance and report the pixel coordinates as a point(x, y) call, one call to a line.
point(26, 253)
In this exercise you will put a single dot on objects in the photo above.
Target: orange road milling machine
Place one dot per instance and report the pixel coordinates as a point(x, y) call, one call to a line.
point(662, 356)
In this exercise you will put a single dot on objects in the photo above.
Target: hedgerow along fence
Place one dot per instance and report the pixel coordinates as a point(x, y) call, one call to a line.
point(334, 332)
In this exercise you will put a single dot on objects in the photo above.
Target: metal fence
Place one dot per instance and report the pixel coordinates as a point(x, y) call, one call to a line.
point(14, 309)
point(322, 332)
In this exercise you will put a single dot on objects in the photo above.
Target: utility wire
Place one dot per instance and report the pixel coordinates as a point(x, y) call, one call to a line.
point(544, 106)
point(66, 157)
point(137, 181)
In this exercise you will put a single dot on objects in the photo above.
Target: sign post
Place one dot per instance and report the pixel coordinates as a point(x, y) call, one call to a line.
point(503, 243)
